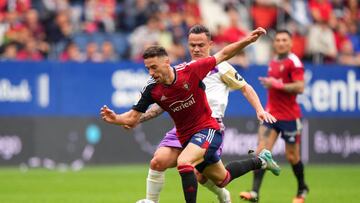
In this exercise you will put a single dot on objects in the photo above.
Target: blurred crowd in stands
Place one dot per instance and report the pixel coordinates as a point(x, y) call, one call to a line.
point(324, 31)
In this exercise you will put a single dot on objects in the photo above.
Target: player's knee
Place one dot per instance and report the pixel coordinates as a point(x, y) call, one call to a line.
point(158, 164)
point(293, 158)
point(183, 161)
point(183, 169)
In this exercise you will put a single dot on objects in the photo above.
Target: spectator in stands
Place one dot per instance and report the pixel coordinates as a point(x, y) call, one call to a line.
point(321, 10)
point(72, 53)
point(108, 53)
point(354, 10)
point(298, 39)
point(299, 13)
point(55, 6)
point(10, 52)
point(61, 29)
point(138, 12)
point(138, 41)
point(341, 34)
point(354, 37)
point(232, 33)
point(264, 13)
point(177, 52)
point(52, 23)
point(347, 55)
point(321, 43)
point(32, 23)
point(177, 26)
point(14, 26)
point(29, 52)
point(192, 13)
point(101, 14)
point(36, 30)
point(23, 6)
point(92, 52)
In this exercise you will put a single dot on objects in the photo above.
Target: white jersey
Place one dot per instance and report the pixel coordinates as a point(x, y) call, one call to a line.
point(219, 82)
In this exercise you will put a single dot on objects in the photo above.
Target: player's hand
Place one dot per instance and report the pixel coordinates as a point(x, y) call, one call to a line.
point(107, 114)
point(265, 116)
point(129, 127)
point(271, 82)
point(255, 34)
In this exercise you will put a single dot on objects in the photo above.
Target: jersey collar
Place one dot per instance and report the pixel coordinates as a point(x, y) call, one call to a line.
point(175, 78)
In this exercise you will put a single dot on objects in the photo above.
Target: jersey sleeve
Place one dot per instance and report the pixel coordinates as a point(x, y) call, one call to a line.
point(297, 70)
point(230, 76)
point(297, 74)
point(146, 99)
point(203, 66)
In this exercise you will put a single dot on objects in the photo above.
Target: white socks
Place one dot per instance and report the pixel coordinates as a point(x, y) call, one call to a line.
point(154, 184)
point(221, 193)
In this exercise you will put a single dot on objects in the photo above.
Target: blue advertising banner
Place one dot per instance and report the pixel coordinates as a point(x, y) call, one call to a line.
point(80, 89)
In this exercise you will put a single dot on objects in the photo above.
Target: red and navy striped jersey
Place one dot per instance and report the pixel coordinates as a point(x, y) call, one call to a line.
point(282, 105)
point(184, 99)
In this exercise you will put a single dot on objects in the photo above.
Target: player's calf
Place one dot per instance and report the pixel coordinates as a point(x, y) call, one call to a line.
point(189, 182)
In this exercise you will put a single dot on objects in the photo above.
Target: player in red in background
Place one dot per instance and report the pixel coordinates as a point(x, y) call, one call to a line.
point(180, 92)
point(284, 81)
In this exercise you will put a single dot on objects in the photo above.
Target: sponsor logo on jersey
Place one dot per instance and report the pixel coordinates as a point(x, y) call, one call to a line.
point(182, 104)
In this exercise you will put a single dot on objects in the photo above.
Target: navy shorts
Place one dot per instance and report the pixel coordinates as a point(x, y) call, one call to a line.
point(290, 130)
point(210, 140)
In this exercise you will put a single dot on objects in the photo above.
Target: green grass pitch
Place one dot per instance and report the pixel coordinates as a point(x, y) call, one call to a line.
point(126, 184)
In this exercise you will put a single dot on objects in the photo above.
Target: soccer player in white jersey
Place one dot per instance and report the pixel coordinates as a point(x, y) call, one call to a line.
point(218, 83)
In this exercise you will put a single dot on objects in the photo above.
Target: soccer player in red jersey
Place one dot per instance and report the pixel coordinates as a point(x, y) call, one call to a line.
point(284, 81)
point(180, 92)
point(219, 82)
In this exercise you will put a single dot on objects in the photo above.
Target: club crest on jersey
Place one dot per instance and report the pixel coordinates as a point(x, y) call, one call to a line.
point(163, 97)
point(282, 67)
point(186, 86)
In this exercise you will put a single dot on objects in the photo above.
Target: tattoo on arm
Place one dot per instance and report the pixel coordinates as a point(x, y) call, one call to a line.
point(153, 112)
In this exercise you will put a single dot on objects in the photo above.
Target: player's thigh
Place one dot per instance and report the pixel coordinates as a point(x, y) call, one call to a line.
point(192, 154)
point(266, 138)
point(165, 157)
point(292, 152)
point(215, 172)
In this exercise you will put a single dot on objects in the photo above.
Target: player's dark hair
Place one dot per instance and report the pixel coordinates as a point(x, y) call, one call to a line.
point(198, 29)
point(154, 51)
point(283, 31)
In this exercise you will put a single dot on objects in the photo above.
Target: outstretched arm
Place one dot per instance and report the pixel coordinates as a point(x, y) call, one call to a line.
point(232, 49)
point(130, 118)
point(254, 100)
point(154, 111)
